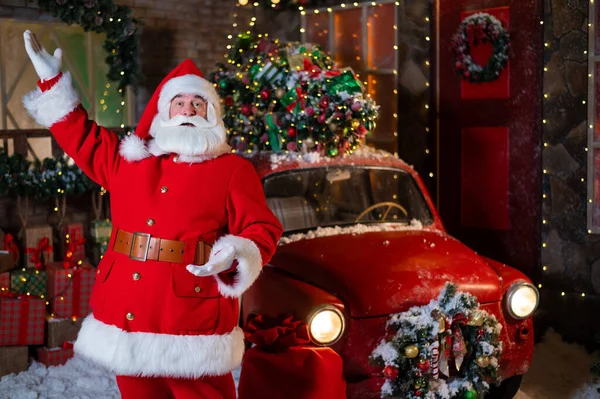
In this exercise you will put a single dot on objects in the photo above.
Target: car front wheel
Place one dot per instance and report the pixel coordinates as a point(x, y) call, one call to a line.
point(507, 389)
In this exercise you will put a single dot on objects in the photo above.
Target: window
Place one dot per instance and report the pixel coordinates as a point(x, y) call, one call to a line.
point(83, 57)
point(364, 37)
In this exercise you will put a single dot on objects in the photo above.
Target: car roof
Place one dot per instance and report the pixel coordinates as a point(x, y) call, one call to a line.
point(267, 163)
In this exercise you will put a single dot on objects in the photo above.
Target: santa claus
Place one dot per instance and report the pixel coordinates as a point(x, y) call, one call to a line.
point(191, 232)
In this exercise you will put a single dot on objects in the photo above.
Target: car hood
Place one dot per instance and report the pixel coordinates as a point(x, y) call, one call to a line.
point(380, 273)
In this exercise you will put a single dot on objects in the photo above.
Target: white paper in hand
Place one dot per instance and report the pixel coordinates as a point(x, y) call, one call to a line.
point(218, 263)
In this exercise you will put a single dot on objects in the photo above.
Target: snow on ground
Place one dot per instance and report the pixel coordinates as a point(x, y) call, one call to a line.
point(559, 371)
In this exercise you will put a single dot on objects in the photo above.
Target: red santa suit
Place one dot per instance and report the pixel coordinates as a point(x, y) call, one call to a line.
point(152, 317)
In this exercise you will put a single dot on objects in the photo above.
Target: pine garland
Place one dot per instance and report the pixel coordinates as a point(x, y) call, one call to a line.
point(291, 98)
point(122, 33)
point(448, 348)
point(281, 5)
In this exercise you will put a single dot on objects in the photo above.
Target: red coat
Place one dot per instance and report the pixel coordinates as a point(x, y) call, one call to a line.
point(159, 323)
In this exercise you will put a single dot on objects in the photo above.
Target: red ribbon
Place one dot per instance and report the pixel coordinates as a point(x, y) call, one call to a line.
point(72, 246)
point(23, 321)
point(300, 100)
point(76, 298)
point(11, 246)
point(314, 71)
point(11, 295)
point(36, 253)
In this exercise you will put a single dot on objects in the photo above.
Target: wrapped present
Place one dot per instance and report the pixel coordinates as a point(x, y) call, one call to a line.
point(7, 261)
point(273, 129)
point(69, 290)
point(74, 244)
point(101, 230)
point(21, 319)
point(345, 82)
point(268, 73)
point(13, 359)
point(29, 282)
point(39, 246)
point(295, 373)
point(55, 356)
point(4, 281)
point(61, 330)
point(294, 100)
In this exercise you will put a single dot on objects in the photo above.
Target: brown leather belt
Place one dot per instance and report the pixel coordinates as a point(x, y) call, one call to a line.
point(142, 247)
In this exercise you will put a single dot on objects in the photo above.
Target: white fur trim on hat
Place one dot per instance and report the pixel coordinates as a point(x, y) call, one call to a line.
point(187, 84)
point(54, 104)
point(248, 267)
point(159, 355)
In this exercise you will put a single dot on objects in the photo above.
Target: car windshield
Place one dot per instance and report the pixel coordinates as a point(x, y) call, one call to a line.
point(335, 196)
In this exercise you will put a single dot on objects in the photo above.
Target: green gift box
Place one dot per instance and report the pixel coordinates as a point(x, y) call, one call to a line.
point(345, 82)
point(101, 230)
point(28, 281)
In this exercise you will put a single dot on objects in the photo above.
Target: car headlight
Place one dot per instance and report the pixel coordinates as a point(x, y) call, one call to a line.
point(522, 299)
point(326, 325)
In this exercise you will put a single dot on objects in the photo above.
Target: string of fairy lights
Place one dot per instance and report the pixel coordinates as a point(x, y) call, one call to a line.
point(589, 155)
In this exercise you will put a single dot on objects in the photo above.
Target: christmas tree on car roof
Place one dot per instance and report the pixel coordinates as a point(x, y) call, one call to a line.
point(291, 98)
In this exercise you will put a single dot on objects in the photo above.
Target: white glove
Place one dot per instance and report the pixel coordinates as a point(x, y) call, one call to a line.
point(217, 263)
point(46, 65)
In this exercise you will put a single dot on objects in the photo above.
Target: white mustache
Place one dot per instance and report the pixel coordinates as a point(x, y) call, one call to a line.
point(179, 120)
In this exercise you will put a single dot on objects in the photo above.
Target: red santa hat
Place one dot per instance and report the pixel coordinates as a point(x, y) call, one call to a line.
point(186, 78)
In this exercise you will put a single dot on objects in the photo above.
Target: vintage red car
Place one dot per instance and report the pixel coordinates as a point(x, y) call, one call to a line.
point(363, 241)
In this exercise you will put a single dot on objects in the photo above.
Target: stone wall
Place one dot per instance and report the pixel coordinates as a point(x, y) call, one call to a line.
point(571, 258)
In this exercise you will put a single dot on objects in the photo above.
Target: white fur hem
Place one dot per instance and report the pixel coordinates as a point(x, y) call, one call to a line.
point(133, 148)
point(52, 105)
point(248, 268)
point(159, 355)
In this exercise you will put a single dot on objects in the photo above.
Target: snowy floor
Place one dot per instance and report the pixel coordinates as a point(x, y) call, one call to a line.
point(559, 371)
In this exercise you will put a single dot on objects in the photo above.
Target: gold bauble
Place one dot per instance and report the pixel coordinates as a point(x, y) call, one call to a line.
point(355, 123)
point(476, 320)
point(279, 93)
point(483, 361)
point(411, 351)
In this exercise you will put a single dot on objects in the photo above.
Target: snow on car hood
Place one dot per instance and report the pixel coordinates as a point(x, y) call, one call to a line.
point(383, 272)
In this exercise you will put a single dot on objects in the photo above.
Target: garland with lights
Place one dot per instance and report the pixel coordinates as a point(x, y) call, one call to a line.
point(482, 27)
point(122, 33)
point(445, 349)
point(290, 98)
point(284, 4)
point(49, 178)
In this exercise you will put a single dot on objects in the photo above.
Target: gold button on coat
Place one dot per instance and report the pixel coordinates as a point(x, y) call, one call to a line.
point(198, 289)
point(137, 276)
point(164, 189)
point(150, 222)
point(130, 316)
point(176, 158)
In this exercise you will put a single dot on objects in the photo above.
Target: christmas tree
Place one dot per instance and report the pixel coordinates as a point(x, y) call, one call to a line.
point(290, 97)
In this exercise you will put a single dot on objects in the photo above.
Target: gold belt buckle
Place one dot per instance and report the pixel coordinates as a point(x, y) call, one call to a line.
point(142, 259)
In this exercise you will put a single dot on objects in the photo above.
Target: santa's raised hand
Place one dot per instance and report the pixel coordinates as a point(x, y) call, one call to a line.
point(218, 263)
point(47, 66)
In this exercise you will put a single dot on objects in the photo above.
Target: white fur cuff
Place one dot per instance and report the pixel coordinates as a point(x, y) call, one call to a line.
point(159, 355)
point(52, 105)
point(248, 267)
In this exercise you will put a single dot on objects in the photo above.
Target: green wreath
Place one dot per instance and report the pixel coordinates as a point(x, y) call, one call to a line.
point(448, 348)
point(483, 28)
point(122, 33)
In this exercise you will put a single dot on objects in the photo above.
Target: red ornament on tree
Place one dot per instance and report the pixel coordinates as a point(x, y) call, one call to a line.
point(310, 111)
point(291, 132)
point(321, 118)
point(229, 101)
point(423, 365)
point(390, 372)
point(265, 94)
point(418, 392)
point(246, 109)
point(324, 102)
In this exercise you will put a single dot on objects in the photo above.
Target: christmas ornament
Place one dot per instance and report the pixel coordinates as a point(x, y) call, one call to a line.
point(223, 84)
point(423, 365)
point(309, 142)
point(476, 320)
point(324, 102)
point(279, 93)
point(333, 152)
point(470, 394)
point(310, 111)
point(333, 127)
point(291, 132)
point(411, 351)
point(246, 109)
point(390, 372)
point(356, 106)
point(355, 123)
point(321, 118)
point(265, 94)
point(483, 361)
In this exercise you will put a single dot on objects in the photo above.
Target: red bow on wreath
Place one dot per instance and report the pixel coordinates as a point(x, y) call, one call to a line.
point(11, 246)
point(36, 253)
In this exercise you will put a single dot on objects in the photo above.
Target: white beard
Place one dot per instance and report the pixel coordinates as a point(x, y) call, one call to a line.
point(202, 139)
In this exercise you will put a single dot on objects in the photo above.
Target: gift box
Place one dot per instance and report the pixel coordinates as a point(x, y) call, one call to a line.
point(74, 243)
point(13, 359)
point(296, 373)
point(7, 261)
point(101, 230)
point(4, 282)
point(21, 319)
point(39, 248)
point(29, 282)
point(69, 290)
point(55, 356)
point(345, 82)
point(61, 330)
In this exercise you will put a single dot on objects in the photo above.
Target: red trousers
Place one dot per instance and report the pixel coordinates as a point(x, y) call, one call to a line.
point(221, 387)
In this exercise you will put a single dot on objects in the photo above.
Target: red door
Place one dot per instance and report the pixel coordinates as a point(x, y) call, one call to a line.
point(488, 135)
